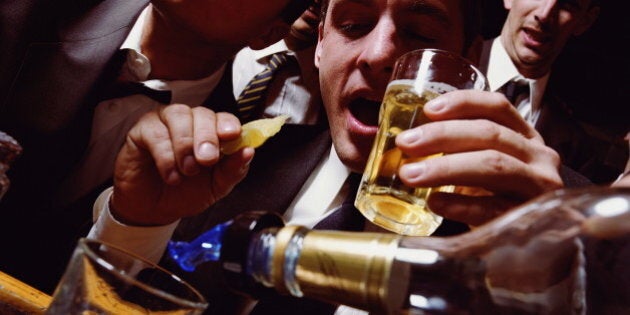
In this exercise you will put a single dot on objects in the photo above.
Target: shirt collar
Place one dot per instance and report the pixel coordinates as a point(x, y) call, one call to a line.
point(262, 55)
point(137, 68)
point(504, 70)
point(303, 56)
point(538, 87)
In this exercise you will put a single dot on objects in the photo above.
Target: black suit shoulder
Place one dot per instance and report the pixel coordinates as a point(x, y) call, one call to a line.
point(598, 157)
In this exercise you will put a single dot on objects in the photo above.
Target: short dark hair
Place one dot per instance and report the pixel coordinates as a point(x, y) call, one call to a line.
point(471, 13)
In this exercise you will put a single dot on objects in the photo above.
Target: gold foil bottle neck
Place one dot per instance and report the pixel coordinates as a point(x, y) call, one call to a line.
point(342, 267)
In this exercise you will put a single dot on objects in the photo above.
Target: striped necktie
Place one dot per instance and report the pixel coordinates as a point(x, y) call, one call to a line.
point(254, 93)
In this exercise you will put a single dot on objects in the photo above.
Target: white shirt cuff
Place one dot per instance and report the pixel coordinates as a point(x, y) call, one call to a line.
point(147, 242)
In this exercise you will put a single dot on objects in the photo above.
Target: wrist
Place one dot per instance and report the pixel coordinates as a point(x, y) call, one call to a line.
point(106, 202)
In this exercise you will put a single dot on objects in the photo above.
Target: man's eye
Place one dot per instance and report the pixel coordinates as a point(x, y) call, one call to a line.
point(421, 36)
point(354, 28)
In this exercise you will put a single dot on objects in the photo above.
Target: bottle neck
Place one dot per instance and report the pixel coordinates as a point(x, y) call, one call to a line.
point(354, 269)
point(381, 273)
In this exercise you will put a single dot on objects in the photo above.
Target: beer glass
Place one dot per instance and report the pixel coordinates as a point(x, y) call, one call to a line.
point(103, 279)
point(419, 76)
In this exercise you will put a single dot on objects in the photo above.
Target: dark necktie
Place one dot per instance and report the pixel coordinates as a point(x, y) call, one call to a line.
point(346, 217)
point(254, 93)
point(516, 91)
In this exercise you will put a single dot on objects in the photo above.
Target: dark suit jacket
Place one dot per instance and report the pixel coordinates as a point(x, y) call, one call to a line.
point(600, 160)
point(579, 150)
point(54, 57)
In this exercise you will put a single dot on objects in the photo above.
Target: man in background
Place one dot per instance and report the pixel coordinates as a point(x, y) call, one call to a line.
point(518, 63)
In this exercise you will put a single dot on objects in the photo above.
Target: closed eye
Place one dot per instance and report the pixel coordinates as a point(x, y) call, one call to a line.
point(414, 35)
point(355, 29)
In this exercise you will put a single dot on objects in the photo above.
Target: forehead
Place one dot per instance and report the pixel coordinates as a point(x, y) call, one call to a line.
point(448, 7)
point(572, 4)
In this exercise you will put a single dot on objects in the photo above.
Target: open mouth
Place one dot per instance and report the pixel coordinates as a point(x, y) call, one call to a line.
point(365, 111)
point(535, 38)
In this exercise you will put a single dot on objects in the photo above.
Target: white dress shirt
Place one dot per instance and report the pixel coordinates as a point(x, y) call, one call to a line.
point(295, 88)
point(501, 70)
point(322, 192)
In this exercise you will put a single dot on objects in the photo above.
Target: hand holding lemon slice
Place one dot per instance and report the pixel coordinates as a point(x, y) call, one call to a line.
point(254, 134)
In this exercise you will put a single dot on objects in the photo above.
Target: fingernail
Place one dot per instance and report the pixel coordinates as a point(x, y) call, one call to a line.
point(207, 150)
point(435, 105)
point(410, 136)
point(190, 165)
point(413, 170)
point(173, 177)
point(226, 128)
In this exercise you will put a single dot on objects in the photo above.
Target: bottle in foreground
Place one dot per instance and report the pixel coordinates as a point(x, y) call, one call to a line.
point(563, 253)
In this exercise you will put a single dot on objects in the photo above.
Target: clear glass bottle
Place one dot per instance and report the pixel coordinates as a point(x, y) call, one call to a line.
point(544, 257)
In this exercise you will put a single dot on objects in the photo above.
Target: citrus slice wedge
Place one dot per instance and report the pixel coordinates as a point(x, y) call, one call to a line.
point(254, 134)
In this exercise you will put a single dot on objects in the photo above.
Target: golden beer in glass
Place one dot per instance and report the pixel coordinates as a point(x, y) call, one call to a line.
point(419, 77)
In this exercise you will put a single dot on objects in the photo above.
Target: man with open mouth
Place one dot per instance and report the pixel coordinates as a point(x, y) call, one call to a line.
point(487, 143)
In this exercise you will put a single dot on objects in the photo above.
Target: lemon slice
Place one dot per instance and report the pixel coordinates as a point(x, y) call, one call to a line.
point(254, 134)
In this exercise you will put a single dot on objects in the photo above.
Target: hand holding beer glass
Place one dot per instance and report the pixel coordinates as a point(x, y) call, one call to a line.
point(419, 76)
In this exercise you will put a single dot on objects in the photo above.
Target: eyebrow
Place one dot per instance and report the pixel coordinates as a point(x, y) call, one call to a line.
point(363, 2)
point(423, 7)
point(427, 8)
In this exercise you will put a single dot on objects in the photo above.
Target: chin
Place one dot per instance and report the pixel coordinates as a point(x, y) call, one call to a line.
point(353, 155)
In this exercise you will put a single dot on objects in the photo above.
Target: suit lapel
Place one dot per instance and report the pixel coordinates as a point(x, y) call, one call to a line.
point(563, 134)
point(560, 132)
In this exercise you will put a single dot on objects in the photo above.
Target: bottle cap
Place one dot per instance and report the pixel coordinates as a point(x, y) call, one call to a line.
point(234, 251)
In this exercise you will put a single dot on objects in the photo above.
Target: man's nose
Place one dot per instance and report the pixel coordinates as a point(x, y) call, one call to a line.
point(546, 10)
point(380, 49)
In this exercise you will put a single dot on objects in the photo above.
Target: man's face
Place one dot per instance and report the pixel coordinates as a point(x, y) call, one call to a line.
point(229, 22)
point(359, 41)
point(536, 31)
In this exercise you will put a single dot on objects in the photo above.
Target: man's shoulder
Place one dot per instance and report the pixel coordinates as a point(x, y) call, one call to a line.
point(593, 151)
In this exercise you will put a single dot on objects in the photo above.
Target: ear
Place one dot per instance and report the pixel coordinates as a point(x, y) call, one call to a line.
point(507, 4)
point(318, 48)
point(275, 32)
point(587, 21)
point(473, 53)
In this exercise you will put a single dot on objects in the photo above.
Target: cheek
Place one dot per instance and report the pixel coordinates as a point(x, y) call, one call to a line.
point(331, 72)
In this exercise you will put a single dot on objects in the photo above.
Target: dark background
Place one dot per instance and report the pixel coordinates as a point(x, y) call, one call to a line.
point(592, 74)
